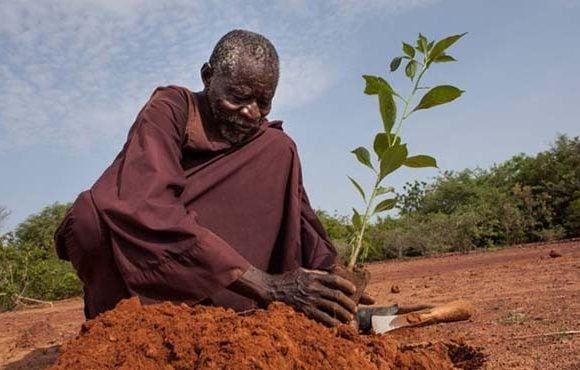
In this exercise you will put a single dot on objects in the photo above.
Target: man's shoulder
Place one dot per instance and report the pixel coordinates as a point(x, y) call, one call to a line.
point(275, 132)
point(173, 93)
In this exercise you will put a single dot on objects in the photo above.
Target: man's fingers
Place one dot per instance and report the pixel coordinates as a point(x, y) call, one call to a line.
point(334, 310)
point(339, 297)
point(316, 272)
point(366, 299)
point(320, 316)
point(338, 282)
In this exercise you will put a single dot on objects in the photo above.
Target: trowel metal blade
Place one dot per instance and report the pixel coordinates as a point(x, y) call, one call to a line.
point(364, 315)
point(385, 323)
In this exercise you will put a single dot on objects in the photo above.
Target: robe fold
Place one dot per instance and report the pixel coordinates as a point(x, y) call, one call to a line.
point(181, 214)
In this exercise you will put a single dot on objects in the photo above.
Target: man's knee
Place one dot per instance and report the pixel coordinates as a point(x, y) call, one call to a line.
point(82, 239)
point(79, 238)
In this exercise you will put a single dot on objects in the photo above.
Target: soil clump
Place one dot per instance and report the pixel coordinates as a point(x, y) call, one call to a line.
point(359, 276)
point(554, 254)
point(168, 336)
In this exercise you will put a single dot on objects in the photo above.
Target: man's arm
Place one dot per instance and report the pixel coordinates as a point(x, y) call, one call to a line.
point(161, 250)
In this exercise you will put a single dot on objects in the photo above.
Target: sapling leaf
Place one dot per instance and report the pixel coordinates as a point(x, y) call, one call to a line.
point(422, 44)
point(442, 45)
point(410, 69)
point(358, 187)
point(382, 190)
point(420, 161)
point(356, 219)
point(392, 158)
point(388, 109)
point(391, 153)
point(438, 95)
point(409, 50)
point(444, 58)
point(363, 156)
point(395, 63)
point(374, 84)
point(385, 205)
point(382, 142)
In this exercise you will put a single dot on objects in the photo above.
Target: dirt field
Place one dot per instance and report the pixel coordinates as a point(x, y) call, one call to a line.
point(521, 295)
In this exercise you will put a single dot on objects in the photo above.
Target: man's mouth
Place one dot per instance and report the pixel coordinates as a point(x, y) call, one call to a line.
point(236, 130)
point(233, 127)
point(240, 124)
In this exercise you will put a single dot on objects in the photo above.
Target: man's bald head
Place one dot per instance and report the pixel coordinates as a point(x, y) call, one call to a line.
point(244, 49)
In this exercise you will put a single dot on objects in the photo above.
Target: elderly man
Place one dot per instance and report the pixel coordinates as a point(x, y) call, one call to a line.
point(205, 202)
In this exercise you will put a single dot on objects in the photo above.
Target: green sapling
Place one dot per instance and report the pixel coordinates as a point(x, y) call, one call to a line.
point(391, 152)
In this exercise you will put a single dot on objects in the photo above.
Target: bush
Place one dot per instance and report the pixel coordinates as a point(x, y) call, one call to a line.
point(572, 222)
point(342, 233)
point(29, 272)
point(29, 266)
point(339, 230)
point(428, 235)
point(553, 175)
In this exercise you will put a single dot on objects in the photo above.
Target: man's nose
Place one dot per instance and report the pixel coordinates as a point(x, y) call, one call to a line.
point(251, 111)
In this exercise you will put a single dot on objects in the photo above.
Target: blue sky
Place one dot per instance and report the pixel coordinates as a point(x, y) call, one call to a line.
point(74, 73)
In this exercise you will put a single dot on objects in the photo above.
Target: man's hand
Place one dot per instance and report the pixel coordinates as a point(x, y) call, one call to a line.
point(318, 294)
point(367, 299)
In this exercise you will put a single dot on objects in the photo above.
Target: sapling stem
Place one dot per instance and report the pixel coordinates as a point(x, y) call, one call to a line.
point(359, 238)
point(392, 153)
point(366, 217)
point(404, 115)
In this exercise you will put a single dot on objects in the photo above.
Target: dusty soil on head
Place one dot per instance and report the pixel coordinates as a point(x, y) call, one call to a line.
point(521, 295)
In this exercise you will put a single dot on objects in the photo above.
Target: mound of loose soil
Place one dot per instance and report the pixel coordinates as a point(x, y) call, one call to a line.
point(167, 336)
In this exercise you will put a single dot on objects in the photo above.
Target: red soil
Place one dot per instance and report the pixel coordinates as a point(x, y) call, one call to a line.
point(525, 303)
point(167, 336)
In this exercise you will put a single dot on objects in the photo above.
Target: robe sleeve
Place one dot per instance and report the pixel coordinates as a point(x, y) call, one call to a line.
point(317, 250)
point(161, 250)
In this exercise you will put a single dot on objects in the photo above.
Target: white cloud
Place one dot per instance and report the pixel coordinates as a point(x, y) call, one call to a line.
point(352, 7)
point(304, 79)
point(75, 73)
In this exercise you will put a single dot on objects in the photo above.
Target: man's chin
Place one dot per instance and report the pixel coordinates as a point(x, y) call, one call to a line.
point(235, 134)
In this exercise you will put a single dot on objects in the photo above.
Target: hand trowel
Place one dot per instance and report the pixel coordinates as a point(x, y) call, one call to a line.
point(385, 319)
point(453, 311)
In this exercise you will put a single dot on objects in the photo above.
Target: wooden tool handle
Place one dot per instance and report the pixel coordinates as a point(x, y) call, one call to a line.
point(453, 311)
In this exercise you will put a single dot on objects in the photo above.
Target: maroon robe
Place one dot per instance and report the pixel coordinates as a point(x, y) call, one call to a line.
point(181, 214)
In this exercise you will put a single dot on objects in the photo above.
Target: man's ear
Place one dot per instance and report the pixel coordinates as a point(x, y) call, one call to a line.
point(206, 74)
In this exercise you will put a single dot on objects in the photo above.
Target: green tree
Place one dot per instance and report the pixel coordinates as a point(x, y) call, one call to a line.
point(38, 229)
point(524, 199)
point(29, 267)
point(553, 175)
point(572, 223)
point(413, 196)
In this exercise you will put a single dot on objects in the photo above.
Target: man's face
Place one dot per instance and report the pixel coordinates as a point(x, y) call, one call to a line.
point(240, 102)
